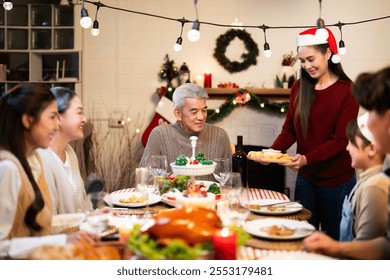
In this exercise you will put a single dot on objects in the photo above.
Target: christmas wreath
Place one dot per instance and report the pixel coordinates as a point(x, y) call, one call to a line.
point(249, 58)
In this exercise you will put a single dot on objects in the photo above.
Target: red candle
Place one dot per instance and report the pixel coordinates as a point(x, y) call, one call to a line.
point(225, 244)
point(207, 80)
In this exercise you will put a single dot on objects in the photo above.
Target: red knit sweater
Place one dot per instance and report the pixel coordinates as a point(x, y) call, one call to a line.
point(328, 162)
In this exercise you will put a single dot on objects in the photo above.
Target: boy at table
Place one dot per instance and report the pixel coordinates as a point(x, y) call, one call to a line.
point(364, 209)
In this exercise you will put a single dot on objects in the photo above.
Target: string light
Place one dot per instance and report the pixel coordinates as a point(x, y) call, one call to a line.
point(321, 31)
point(194, 34)
point(179, 41)
point(196, 23)
point(95, 28)
point(85, 20)
point(342, 49)
point(7, 5)
point(267, 50)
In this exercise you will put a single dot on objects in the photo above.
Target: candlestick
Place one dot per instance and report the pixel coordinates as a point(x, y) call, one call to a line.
point(225, 244)
point(207, 80)
point(199, 80)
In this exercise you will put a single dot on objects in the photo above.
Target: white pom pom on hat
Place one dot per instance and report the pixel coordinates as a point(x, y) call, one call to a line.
point(309, 38)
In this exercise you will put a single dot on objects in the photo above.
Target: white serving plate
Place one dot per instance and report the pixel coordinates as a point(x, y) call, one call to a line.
point(193, 170)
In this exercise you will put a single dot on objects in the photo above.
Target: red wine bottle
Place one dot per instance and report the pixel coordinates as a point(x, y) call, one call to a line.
point(240, 162)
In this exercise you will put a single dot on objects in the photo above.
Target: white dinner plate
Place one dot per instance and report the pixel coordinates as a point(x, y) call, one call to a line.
point(289, 208)
point(115, 197)
point(301, 228)
point(295, 256)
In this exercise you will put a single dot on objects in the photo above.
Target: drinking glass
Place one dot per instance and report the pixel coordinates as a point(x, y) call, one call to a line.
point(146, 186)
point(221, 171)
point(158, 165)
point(233, 186)
point(234, 209)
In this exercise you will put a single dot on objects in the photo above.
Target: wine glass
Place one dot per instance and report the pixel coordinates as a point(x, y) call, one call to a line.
point(146, 186)
point(158, 165)
point(236, 209)
point(221, 171)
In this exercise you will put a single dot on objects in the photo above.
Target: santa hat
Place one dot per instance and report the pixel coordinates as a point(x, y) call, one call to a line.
point(362, 123)
point(311, 37)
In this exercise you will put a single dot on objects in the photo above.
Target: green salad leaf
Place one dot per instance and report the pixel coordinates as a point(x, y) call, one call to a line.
point(143, 244)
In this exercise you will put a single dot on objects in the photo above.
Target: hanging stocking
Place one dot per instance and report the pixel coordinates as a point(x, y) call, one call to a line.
point(164, 114)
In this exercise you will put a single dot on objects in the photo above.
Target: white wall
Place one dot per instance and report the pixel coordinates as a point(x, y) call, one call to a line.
point(120, 67)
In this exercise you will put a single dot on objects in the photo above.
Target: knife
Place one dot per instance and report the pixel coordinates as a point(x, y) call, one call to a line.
point(283, 203)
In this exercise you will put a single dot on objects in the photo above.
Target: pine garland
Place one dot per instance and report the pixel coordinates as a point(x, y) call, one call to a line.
point(244, 98)
point(249, 58)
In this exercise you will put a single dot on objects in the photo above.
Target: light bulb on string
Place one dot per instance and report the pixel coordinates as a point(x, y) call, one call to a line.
point(179, 41)
point(177, 46)
point(267, 49)
point(342, 49)
point(194, 34)
point(321, 32)
point(7, 5)
point(95, 29)
point(85, 20)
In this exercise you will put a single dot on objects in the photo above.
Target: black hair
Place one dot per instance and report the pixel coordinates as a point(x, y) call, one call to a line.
point(372, 90)
point(29, 99)
point(63, 96)
point(354, 131)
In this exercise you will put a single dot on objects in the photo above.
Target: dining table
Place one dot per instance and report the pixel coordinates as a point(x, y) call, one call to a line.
point(255, 247)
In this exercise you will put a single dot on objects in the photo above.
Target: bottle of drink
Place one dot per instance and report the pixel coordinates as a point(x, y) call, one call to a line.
point(239, 161)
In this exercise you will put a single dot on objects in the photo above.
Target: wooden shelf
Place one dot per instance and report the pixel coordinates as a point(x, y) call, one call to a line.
point(271, 93)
